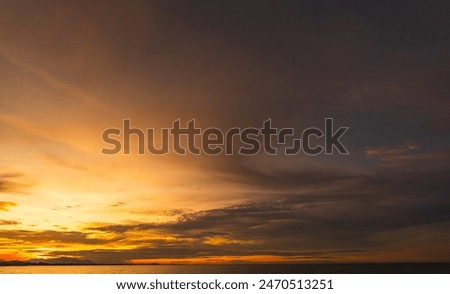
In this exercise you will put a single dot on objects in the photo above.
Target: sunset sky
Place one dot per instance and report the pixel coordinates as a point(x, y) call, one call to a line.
point(71, 69)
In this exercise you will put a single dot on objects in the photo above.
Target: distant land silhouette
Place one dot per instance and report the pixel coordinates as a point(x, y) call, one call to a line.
point(52, 261)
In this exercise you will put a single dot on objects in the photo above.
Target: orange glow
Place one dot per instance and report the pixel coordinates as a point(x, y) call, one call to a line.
point(221, 260)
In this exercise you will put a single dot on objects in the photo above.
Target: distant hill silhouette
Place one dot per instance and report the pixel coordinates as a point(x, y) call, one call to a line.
point(52, 261)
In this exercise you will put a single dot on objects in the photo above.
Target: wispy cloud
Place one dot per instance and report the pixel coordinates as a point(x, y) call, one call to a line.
point(5, 206)
point(70, 91)
point(8, 222)
point(10, 184)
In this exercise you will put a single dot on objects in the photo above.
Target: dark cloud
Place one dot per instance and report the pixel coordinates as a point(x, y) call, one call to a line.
point(117, 204)
point(46, 236)
point(67, 207)
point(329, 227)
point(291, 61)
point(408, 193)
point(289, 176)
point(357, 214)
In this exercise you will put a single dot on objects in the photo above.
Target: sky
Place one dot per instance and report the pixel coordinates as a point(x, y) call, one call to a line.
point(71, 69)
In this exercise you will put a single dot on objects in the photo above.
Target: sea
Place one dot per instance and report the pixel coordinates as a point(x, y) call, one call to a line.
point(398, 268)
